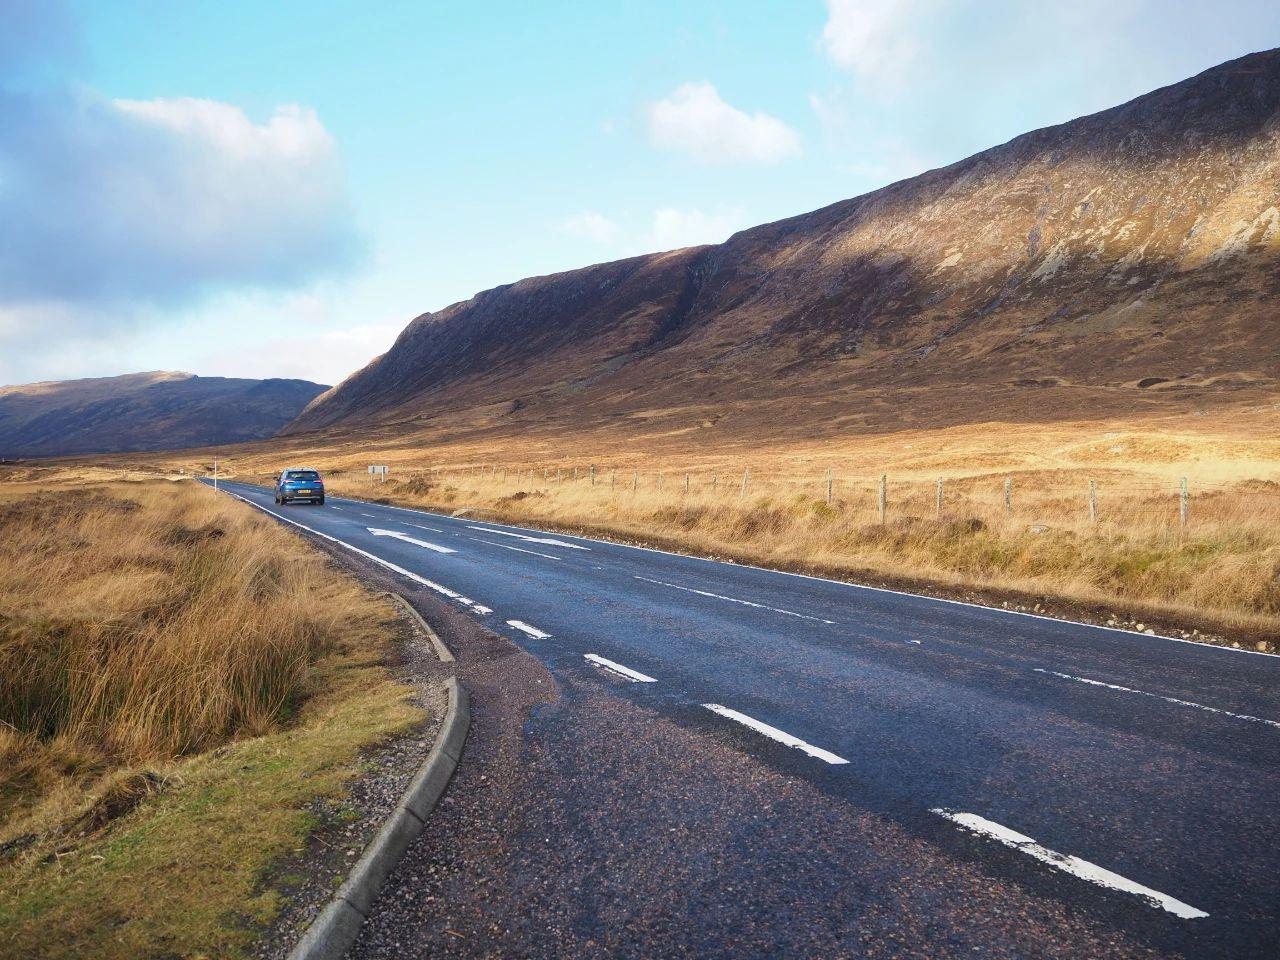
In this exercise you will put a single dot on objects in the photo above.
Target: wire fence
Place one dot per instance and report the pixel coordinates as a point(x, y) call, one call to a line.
point(1106, 501)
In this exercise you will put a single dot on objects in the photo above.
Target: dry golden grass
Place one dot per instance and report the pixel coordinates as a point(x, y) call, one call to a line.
point(1221, 572)
point(149, 621)
point(1224, 567)
point(142, 624)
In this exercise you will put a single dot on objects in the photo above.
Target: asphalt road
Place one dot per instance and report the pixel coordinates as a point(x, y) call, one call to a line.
point(906, 776)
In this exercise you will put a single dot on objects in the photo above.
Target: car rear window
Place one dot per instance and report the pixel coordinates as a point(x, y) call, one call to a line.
point(301, 475)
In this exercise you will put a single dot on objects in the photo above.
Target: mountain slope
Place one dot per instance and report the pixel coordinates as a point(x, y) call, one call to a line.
point(144, 411)
point(1124, 259)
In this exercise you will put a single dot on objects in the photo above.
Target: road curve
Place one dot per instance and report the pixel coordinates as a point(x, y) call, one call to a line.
point(1127, 779)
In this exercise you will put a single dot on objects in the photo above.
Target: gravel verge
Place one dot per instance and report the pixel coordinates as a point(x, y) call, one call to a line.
point(343, 828)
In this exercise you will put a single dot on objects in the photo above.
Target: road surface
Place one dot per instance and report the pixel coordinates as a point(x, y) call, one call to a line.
point(929, 777)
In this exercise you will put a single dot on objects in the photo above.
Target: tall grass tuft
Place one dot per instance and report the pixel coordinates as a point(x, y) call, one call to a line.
point(142, 622)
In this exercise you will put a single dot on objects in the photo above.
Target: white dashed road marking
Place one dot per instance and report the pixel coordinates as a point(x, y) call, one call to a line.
point(1069, 864)
point(634, 676)
point(773, 733)
point(1158, 696)
point(525, 628)
point(745, 603)
point(408, 539)
point(420, 526)
point(505, 546)
point(371, 516)
point(548, 541)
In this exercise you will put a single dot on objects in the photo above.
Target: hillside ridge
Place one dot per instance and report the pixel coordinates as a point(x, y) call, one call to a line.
point(1076, 260)
point(155, 410)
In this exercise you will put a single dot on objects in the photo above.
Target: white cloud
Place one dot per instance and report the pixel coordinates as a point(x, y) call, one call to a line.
point(592, 226)
point(666, 228)
point(119, 219)
point(326, 357)
point(112, 202)
point(672, 228)
point(320, 335)
point(877, 40)
point(118, 212)
point(293, 134)
point(695, 120)
point(309, 335)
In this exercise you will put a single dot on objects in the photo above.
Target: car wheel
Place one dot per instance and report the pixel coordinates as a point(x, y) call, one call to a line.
point(320, 502)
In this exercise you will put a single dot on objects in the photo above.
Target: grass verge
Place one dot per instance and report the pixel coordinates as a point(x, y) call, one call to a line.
point(174, 703)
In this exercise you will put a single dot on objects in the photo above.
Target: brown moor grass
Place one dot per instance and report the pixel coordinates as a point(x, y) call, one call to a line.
point(142, 624)
point(145, 621)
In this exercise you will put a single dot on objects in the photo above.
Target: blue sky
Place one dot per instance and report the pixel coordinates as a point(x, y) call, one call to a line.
point(275, 189)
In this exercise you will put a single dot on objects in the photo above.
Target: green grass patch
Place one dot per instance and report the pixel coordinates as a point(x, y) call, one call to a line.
point(187, 871)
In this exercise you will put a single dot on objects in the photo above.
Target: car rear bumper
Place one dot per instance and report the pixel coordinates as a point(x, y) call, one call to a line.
point(286, 496)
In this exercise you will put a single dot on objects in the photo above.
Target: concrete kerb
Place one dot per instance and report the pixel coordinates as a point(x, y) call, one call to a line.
point(441, 650)
point(333, 932)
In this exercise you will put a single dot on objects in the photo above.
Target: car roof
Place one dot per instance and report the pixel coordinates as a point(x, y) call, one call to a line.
point(291, 469)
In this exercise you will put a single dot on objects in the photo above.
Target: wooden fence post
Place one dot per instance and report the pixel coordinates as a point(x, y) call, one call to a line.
point(713, 481)
point(1008, 497)
point(686, 484)
point(1093, 501)
point(593, 474)
point(1183, 497)
point(744, 482)
point(635, 480)
point(828, 486)
point(884, 496)
point(939, 498)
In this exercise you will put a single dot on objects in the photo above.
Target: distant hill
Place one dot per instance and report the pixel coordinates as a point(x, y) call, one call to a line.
point(144, 411)
point(1124, 260)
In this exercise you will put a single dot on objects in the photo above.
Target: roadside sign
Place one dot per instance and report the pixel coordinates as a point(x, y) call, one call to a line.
point(379, 469)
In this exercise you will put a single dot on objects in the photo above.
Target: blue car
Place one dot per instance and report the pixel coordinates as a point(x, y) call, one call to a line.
point(300, 483)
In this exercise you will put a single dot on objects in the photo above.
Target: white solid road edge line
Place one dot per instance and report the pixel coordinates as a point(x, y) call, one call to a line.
point(633, 675)
point(773, 733)
point(526, 628)
point(1158, 696)
point(1069, 864)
